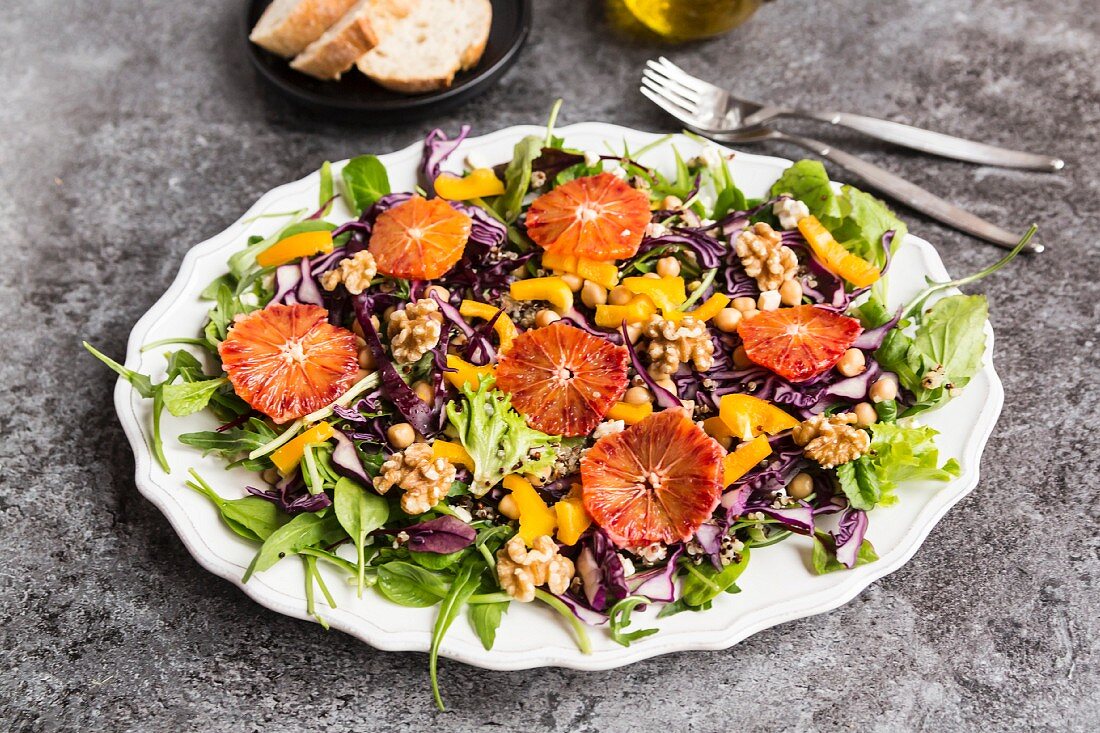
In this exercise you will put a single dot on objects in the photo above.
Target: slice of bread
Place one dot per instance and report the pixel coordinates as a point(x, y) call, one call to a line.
point(288, 26)
point(358, 31)
point(424, 51)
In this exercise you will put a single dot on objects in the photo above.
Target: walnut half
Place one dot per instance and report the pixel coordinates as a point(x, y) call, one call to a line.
point(832, 440)
point(424, 478)
point(521, 570)
point(765, 257)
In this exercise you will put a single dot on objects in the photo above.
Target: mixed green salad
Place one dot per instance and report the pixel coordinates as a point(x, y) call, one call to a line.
point(569, 378)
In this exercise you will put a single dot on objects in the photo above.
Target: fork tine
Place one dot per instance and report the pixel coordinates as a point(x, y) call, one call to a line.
point(666, 106)
point(671, 77)
point(672, 84)
point(675, 72)
point(670, 96)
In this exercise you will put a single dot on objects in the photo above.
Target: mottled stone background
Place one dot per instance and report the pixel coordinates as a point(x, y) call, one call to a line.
point(131, 130)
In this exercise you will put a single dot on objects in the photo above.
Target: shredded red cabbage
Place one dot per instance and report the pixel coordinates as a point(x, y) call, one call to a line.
point(437, 148)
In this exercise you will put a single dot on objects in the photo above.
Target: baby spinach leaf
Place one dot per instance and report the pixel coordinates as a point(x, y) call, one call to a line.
point(365, 181)
point(187, 398)
point(824, 555)
point(808, 182)
point(250, 517)
point(517, 178)
point(360, 512)
point(703, 583)
point(304, 530)
point(436, 561)
point(410, 585)
point(485, 619)
point(465, 582)
point(951, 336)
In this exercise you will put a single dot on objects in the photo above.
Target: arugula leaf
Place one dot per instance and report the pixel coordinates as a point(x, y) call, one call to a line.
point(517, 178)
point(324, 199)
point(365, 181)
point(250, 517)
point(464, 585)
point(485, 619)
point(497, 437)
point(187, 398)
point(304, 530)
point(824, 554)
point(619, 618)
point(360, 512)
point(410, 585)
point(140, 382)
point(808, 182)
point(231, 443)
point(703, 583)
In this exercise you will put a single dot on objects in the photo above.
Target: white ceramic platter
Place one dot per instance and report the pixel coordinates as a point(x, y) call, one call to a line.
point(778, 585)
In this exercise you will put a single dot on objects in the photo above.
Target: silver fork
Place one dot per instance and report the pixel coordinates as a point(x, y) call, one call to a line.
point(697, 111)
point(731, 113)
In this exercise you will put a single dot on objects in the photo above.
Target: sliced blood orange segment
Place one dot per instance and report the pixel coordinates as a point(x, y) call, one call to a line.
point(419, 239)
point(656, 481)
point(288, 361)
point(599, 217)
point(798, 343)
point(562, 379)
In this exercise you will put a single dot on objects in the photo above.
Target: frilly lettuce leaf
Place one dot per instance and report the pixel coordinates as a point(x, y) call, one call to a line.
point(496, 437)
point(898, 454)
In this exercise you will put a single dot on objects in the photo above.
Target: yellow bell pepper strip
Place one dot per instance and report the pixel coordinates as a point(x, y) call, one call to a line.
point(628, 413)
point(535, 517)
point(504, 327)
point(287, 457)
point(477, 184)
point(552, 289)
point(716, 428)
point(295, 247)
point(835, 257)
point(667, 293)
point(639, 309)
point(573, 519)
point(709, 309)
point(747, 416)
point(603, 273)
point(465, 372)
point(453, 452)
point(744, 458)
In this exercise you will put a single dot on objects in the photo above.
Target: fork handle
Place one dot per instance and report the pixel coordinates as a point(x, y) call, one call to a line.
point(936, 143)
point(911, 194)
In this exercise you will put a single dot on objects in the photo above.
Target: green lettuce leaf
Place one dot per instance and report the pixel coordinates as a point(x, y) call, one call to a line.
point(497, 438)
point(808, 182)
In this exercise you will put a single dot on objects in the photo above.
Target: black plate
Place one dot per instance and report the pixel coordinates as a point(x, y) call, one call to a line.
point(357, 96)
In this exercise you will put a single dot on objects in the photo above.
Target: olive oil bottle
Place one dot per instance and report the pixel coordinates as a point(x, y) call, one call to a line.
point(685, 20)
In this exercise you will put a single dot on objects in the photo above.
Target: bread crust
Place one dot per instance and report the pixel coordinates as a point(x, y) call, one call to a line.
point(305, 23)
point(335, 52)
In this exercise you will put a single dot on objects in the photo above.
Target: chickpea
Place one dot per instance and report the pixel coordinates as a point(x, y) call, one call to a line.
point(401, 435)
point(652, 276)
point(801, 486)
point(637, 396)
point(634, 332)
point(884, 389)
point(769, 300)
point(852, 363)
point(545, 317)
point(668, 267)
point(619, 295)
point(741, 359)
point(357, 329)
point(424, 391)
point(593, 294)
point(727, 320)
point(790, 292)
point(665, 382)
point(865, 414)
point(671, 203)
point(744, 304)
point(746, 315)
point(366, 359)
point(439, 290)
point(507, 507)
point(573, 281)
point(386, 314)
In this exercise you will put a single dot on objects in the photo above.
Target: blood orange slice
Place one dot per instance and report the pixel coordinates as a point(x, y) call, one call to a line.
point(798, 343)
point(656, 481)
point(562, 379)
point(419, 239)
point(599, 217)
point(287, 360)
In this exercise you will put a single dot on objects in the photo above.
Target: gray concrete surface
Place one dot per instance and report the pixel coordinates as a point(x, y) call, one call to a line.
point(132, 130)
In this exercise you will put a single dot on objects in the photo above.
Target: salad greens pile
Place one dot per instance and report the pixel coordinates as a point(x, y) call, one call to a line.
point(330, 486)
